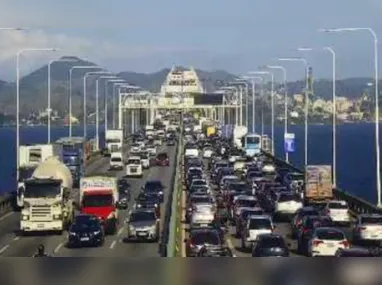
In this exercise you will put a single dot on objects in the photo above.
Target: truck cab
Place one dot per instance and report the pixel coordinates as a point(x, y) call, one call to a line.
point(116, 161)
point(134, 167)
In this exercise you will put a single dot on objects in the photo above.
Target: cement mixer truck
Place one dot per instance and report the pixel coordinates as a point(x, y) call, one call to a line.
point(47, 198)
point(239, 132)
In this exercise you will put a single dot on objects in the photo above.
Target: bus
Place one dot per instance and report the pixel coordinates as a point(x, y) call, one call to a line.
point(252, 144)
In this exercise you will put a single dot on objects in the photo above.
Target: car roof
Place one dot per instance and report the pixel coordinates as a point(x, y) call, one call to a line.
point(134, 157)
point(259, 217)
point(246, 197)
point(242, 209)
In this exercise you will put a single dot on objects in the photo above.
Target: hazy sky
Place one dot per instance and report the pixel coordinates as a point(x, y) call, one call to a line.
point(146, 35)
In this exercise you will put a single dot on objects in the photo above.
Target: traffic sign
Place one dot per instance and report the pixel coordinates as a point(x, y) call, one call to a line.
point(289, 142)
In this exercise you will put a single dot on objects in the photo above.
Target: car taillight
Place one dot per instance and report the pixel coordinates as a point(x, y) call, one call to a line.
point(305, 231)
point(345, 243)
point(299, 222)
point(317, 242)
point(192, 245)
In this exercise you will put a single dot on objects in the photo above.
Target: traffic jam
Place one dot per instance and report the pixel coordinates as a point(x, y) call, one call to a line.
point(241, 203)
point(106, 199)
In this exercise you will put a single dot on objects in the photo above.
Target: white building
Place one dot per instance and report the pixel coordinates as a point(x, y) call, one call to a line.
point(181, 81)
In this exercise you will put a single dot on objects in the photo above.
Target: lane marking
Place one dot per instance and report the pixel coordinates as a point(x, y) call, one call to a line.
point(120, 231)
point(58, 247)
point(16, 238)
point(113, 244)
point(5, 247)
point(6, 216)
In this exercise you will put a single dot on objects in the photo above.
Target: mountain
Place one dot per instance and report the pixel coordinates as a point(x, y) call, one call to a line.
point(34, 89)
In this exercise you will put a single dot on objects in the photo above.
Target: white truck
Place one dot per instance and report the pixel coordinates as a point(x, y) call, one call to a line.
point(114, 141)
point(30, 157)
point(47, 198)
point(99, 196)
point(134, 167)
point(149, 131)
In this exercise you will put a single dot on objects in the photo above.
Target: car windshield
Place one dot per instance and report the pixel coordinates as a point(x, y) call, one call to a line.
point(97, 200)
point(371, 220)
point(83, 222)
point(330, 235)
point(199, 182)
point(270, 242)
point(153, 185)
point(246, 214)
point(318, 222)
point(201, 199)
point(246, 203)
point(254, 174)
point(205, 238)
point(308, 213)
point(289, 197)
point(337, 205)
point(258, 224)
point(144, 155)
point(162, 156)
point(239, 187)
point(142, 216)
point(296, 177)
point(134, 161)
point(116, 159)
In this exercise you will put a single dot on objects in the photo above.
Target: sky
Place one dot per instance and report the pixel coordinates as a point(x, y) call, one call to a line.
point(148, 35)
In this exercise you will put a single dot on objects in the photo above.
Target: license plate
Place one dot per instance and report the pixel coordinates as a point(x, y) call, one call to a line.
point(203, 225)
point(133, 170)
point(85, 239)
point(141, 234)
point(40, 226)
point(330, 245)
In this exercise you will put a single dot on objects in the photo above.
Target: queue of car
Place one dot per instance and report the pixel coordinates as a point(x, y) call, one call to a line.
point(229, 192)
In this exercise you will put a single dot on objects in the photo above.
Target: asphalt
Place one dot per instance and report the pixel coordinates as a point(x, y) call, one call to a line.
point(14, 245)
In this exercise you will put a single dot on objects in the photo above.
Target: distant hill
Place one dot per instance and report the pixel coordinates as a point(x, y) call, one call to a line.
point(33, 87)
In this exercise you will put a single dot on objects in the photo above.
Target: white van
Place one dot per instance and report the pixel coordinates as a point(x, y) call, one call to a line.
point(134, 167)
point(116, 161)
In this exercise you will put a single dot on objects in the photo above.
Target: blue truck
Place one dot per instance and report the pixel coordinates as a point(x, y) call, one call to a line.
point(74, 156)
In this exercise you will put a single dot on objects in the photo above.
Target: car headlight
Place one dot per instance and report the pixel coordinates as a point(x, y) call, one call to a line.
point(160, 193)
point(72, 234)
point(131, 228)
point(97, 232)
point(25, 217)
point(57, 217)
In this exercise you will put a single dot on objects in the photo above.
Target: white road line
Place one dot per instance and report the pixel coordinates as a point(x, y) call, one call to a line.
point(5, 247)
point(120, 231)
point(6, 216)
point(113, 244)
point(58, 247)
point(16, 238)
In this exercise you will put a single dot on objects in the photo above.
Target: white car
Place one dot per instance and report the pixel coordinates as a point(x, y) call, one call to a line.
point(368, 228)
point(288, 203)
point(134, 167)
point(338, 211)
point(203, 215)
point(326, 242)
point(256, 225)
point(191, 152)
point(136, 147)
point(152, 150)
point(157, 141)
point(208, 152)
point(116, 161)
point(145, 159)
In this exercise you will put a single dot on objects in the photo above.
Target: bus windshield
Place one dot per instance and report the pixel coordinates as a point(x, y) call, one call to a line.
point(253, 140)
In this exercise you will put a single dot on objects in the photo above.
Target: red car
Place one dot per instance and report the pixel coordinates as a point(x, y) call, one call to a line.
point(162, 159)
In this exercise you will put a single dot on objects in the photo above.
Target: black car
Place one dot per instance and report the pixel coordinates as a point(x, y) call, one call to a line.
point(170, 142)
point(270, 245)
point(86, 231)
point(147, 201)
point(154, 187)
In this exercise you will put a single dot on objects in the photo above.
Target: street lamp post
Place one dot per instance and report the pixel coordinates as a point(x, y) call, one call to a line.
point(18, 99)
point(244, 81)
point(70, 90)
point(272, 103)
point(113, 81)
point(377, 146)
point(85, 110)
point(283, 69)
point(97, 107)
point(305, 62)
point(253, 78)
point(49, 110)
point(334, 103)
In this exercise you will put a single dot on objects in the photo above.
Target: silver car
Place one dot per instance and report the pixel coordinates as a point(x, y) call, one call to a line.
point(143, 224)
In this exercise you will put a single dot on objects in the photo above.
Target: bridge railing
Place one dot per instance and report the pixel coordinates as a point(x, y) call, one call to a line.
point(356, 204)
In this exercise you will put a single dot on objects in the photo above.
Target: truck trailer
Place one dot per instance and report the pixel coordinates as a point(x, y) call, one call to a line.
point(48, 204)
point(113, 141)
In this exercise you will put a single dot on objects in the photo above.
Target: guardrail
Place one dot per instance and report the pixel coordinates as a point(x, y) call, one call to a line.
point(8, 201)
point(173, 209)
point(356, 205)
